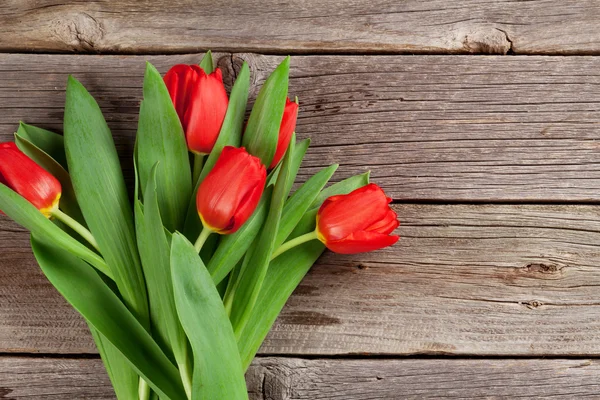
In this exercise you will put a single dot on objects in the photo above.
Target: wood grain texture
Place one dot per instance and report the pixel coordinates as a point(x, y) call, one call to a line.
point(279, 378)
point(464, 280)
point(441, 128)
point(310, 26)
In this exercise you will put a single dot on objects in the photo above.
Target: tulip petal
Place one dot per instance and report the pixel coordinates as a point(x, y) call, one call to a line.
point(386, 225)
point(340, 216)
point(234, 178)
point(27, 178)
point(206, 109)
point(286, 130)
point(361, 242)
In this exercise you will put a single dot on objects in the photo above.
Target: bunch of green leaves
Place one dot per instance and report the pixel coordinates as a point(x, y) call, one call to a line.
point(167, 321)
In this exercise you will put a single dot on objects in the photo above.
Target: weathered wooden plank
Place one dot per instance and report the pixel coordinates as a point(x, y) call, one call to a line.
point(409, 26)
point(463, 280)
point(276, 378)
point(428, 127)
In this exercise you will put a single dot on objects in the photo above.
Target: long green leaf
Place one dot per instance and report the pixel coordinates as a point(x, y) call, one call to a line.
point(100, 188)
point(230, 135)
point(254, 268)
point(262, 131)
point(49, 142)
point(68, 201)
point(160, 138)
point(124, 379)
point(232, 247)
point(285, 273)
point(218, 370)
point(26, 215)
point(299, 203)
point(155, 252)
point(84, 289)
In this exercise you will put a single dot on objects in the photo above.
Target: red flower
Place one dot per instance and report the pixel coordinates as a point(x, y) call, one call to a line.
point(231, 191)
point(201, 103)
point(288, 125)
point(357, 222)
point(24, 176)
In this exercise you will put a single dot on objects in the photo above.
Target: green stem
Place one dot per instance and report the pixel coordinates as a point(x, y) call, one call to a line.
point(294, 242)
point(198, 164)
point(186, 376)
point(143, 390)
point(76, 226)
point(201, 239)
point(87, 235)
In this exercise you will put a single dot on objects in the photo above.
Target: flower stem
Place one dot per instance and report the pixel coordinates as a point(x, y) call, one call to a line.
point(201, 239)
point(294, 242)
point(143, 390)
point(76, 226)
point(198, 164)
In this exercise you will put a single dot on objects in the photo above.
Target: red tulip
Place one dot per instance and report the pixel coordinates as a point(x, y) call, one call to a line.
point(231, 191)
point(24, 176)
point(357, 222)
point(201, 102)
point(286, 130)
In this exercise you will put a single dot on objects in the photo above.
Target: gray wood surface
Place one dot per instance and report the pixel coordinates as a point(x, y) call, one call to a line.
point(409, 26)
point(441, 128)
point(298, 379)
point(500, 280)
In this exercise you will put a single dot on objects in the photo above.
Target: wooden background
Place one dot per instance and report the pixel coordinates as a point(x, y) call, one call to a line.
point(480, 118)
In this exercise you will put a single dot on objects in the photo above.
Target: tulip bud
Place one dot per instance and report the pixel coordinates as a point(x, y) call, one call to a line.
point(357, 222)
point(24, 176)
point(286, 130)
point(201, 102)
point(231, 191)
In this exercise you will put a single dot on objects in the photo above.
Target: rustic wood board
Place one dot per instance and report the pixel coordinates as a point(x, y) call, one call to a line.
point(434, 128)
point(464, 280)
point(289, 378)
point(408, 26)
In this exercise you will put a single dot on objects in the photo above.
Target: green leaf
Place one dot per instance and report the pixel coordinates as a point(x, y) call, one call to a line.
point(207, 62)
point(262, 131)
point(102, 195)
point(123, 378)
point(49, 142)
point(160, 137)
point(254, 268)
point(284, 275)
point(299, 203)
point(83, 288)
point(230, 135)
point(232, 247)
point(155, 252)
point(29, 217)
point(218, 370)
point(68, 201)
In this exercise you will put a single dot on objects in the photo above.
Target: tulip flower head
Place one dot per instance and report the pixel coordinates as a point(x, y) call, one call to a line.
point(231, 191)
point(286, 130)
point(357, 222)
point(24, 176)
point(201, 102)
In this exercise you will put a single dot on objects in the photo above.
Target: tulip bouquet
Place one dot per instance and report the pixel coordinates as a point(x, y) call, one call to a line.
point(181, 285)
